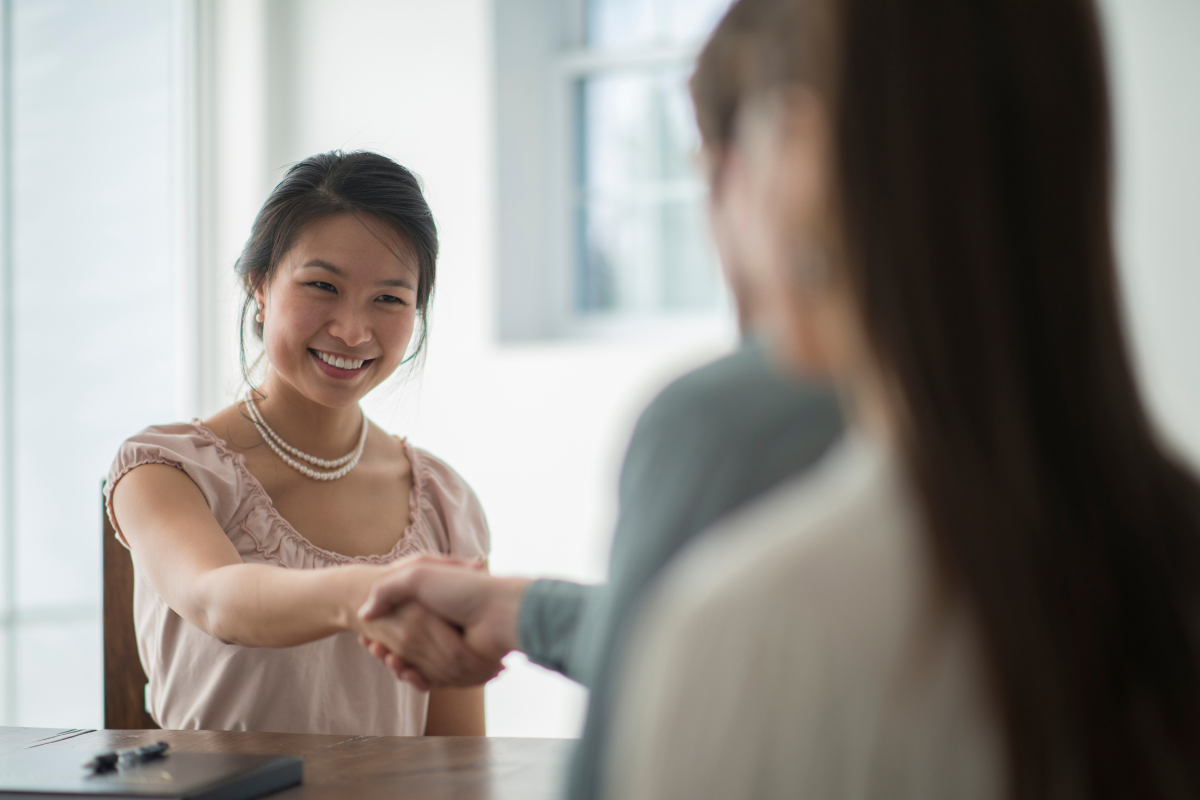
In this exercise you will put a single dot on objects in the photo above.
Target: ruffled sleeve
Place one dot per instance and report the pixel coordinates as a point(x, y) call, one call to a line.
point(450, 509)
point(184, 447)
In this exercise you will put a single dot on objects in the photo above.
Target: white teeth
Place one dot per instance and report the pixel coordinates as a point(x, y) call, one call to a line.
point(339, 362)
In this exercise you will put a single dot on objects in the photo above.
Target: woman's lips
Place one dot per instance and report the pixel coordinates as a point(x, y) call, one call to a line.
point(335, 372)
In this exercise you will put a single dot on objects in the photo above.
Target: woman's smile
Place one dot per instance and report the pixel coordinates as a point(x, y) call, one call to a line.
point(339, 366)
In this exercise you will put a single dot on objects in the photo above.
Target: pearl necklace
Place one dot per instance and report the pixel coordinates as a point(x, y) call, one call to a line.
point(276, 443)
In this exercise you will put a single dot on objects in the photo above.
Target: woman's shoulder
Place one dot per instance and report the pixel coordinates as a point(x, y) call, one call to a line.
point(188, 446)
point(431, 469)
point(819, 578)
point(175, 441)
point(448, 505)
point(840, 541)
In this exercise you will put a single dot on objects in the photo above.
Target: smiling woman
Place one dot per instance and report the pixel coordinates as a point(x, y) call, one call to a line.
point(258, 532)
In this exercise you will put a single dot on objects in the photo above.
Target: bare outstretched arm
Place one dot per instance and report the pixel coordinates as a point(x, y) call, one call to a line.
point(192, 565)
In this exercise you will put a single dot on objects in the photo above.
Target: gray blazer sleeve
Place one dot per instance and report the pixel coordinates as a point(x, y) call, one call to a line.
point(549, 620)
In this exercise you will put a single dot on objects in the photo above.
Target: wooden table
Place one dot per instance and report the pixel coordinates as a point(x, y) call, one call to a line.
point(432, 768)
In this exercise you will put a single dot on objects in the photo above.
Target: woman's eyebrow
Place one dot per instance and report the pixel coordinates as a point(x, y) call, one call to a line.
point(325, 265)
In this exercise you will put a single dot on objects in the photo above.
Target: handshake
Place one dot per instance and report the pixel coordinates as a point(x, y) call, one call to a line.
point(439, 623)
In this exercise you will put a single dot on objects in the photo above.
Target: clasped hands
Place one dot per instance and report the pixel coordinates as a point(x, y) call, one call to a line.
point(438, 623)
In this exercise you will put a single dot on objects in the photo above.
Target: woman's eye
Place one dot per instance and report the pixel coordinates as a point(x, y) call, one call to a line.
point(387, 298)
point(323, 286)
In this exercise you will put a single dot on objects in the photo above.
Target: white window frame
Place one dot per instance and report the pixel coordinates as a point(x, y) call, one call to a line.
point(8, 466)
point(541, 57)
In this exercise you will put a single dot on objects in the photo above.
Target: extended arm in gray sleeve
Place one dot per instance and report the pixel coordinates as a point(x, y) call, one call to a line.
point(549, 621)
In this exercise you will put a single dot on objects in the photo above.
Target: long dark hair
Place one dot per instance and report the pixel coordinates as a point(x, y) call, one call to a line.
point(974, 197)
point(975, 176)
point(359, 182)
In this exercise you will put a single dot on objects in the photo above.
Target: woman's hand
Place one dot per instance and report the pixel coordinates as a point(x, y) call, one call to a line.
point(424, 650)
point(480, 609)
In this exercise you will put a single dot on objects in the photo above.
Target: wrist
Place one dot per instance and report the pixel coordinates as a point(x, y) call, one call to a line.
point(355, 582)
point(507, 596)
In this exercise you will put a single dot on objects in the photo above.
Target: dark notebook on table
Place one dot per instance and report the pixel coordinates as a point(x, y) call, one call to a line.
point(41, 774)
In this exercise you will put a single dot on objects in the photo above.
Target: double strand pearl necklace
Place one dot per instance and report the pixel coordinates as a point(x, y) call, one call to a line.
point(338, 467)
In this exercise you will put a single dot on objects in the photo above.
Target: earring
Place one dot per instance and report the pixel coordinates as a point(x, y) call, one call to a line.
point(259, 317)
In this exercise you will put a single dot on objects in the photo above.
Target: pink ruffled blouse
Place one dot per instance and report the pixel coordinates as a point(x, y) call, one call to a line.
point(329, 686)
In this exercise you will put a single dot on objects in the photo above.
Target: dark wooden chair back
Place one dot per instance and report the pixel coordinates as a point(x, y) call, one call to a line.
point(124, 680)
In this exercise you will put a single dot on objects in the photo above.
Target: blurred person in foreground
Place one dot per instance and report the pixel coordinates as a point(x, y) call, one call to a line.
point(991, 588)
point(709, 443)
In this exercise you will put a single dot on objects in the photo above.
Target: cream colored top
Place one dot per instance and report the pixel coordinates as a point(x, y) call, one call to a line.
point(329, 686)
point(794, 652)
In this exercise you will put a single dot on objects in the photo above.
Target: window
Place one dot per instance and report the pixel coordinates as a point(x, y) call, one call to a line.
point(640, 233)
point(602, 208)
point(89, 343)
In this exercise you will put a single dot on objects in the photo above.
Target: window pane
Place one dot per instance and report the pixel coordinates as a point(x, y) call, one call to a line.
point(638, 128)
point(642, 244)
point(643, 257)
point(58, 688)
point(93, 269)
point(630, 23)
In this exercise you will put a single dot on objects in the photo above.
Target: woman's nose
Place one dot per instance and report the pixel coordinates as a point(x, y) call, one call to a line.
point(350, 328)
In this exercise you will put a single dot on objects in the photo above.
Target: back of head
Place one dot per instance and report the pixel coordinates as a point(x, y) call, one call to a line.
point(730, 62)
point(754, 48)
point(972, 155)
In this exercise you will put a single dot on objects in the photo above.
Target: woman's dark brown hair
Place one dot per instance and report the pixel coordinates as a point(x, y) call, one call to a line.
point(974, 193)
point(361, 183)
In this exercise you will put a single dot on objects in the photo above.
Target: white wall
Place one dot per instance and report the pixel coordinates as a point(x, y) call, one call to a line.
point(538, 430)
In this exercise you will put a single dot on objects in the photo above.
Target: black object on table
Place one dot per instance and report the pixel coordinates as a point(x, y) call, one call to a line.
point(108, 761)
point(49, 773)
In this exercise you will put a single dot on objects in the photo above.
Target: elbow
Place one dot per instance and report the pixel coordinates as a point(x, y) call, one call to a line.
point(225, 607)
point(216, 623)
point(227, 624)
point(219, 633)
point(226, 631)
point(213, 613)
